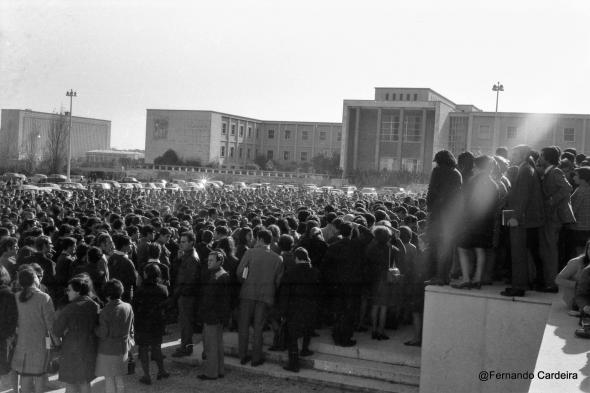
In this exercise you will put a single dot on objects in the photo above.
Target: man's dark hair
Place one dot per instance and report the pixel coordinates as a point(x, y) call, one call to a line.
point(146, 230)
point(189, 236)
point(551, 155)
point(154, 250)
point(121, 241)
point(345, 229)
point(286, 242)
point(445, 158)
point(265, 235)
point(502, 152)
point(67, 242)
point(79, 285)
point(113, 289)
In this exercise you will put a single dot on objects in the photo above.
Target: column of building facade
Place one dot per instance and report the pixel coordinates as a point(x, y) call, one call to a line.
point(423, 138)
point(344, 142)
point(554, 132)
point(400, 138)
point(469, 137)
point(378, 138)
point(295, 141)
point(584, 124)
point(356, 139)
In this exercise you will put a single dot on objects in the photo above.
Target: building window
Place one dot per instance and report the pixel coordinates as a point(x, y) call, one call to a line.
point(240, 152)
point(485, 132)
point(249, 132)
point(271, 134)
point(287, 134)
point(322, 135)
point(286, 155)
point(458, 134)
point(339, 137)
point(393, 97)
point(415, 96)
point(386, 96)
point(411, 164)
point(231, 152)
point(401, 97)
point(223, 128)
point(303, 156)
point(413, 129)
point(222, 154)
point(407, 97)
point(248, 153)
point(389, 128)
point(257, 132)
point(269, 155)
point(511, 132)
point(569, 135)
point(233, 129)
point(304, 135)
point(241, 131)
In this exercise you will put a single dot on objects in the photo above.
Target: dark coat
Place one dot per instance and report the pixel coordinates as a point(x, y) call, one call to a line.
point(443, 190)
point(148, 307)
point(122, 269)
point(48, 267)
point(298, 296)
point(215, 298)
point(8, 312)
point(75, 324)
point(557, 191)
point(526, 198)
point(343, 261)
point(316, 248)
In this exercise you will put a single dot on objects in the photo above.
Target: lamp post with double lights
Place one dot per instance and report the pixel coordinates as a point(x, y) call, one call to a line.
point(70, 94)
point(498, 87)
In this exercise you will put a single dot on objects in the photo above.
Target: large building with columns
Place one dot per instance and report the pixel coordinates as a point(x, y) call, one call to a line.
point(402, 128)
point(235, 141)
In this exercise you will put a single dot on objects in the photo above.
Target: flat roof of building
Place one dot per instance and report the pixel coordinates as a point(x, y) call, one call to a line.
point(242, 117)
point(49, 113)
point(121, 152)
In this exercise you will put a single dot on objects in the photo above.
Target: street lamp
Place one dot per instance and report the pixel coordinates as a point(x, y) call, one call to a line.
point(70, 94)
point(498, 87)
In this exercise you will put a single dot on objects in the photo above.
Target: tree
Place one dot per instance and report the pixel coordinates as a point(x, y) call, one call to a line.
point(324, 164)
point(168, 158)
point(55, 155)
point(261, 161)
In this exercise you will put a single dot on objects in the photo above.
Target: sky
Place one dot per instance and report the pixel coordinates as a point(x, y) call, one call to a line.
point(287, 60)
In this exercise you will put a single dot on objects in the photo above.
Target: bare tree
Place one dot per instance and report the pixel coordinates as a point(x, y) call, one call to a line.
point(55, 154)
point(30, 147)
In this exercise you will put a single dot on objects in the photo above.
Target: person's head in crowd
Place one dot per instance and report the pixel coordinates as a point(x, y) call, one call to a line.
point(285, 243)
point(43, 244)
point(346, 230)
point(153, 251)
point(81, 252)
point(215, 259)
point(301, 255)
point(275, 231)
point(8, 247)
point(221, 232)
point(566, 166)
point(164, 235)
point(445, 158)
point(117, 225)
point(580, 159)
point(113, 290)
point(549, 157)
point(228, 246)
point(571, 157)
point(122, 243)
point(212, 213)
point(207, 237)
point(484, 165)
point(76, 288)
point(95, 254)
point(187, 241)
point(571, 150)
point(105, 242)
point(502, 152)
point(264, 237)
point(245, 237)
point(147, 232)
point(28, 281)
point(68, 245)
point(152, 274)
point(581, 176)
point(382, 234)
point(465, 163)
point(519, 154)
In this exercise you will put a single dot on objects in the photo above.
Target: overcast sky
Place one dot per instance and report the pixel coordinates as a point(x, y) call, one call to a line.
point(287, 60)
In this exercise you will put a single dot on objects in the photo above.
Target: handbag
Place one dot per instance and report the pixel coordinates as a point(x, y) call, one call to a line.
point(393, 273)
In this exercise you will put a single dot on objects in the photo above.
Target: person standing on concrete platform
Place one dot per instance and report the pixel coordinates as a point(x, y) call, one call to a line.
point(558, 211)
point(260, 270)
point(215, 313)
point(526, 200)
point(186, 291)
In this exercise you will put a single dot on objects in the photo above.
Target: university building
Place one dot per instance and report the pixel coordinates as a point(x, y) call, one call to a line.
point(25, 134)
point(402, 128)
point(235, 141)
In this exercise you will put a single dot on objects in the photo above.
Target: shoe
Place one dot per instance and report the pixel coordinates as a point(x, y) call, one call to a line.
point(162, 375)
point(179, 353)
point(305, 352)
point(203, 377)
point(348, 343)
point(258, 363)
point(476, 285)
point(512, 292)
point(549, 289)
point(146, 380)
point(245, 360)
point(413, 343)
point(463, 285)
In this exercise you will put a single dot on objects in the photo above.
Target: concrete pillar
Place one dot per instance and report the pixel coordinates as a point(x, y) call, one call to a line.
point(423, 137)
point(356, 139)
point(378, 138)
point(555, 127)
point(469, 132)
point(400, 140)
point(295, 141)
point(583, 147)
point(313, 134)
point(344, 142)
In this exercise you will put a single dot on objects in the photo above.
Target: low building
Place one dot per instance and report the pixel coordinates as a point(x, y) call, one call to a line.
point(208, 137)
point(25, 134)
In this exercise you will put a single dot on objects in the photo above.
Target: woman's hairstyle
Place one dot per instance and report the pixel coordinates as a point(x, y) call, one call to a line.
point(154, 250)
point(227, 245)
point(26, 279)
point(79, 285)
point(94, 255)
point(286, 242)
point(484, 163)
point(445, 158)
point(113, 289)
point(7, 243)
point(465, 161)
point(4, 276)
point(382, 234)
point(152, 273)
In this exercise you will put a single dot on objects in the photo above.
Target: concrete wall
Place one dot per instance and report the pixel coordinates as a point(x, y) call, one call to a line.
point(467, 332)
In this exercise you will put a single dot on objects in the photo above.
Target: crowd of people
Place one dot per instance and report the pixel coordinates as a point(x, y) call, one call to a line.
point(98, 273)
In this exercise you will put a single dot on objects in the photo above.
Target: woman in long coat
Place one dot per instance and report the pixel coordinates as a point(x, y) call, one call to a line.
point(8, 322)
point(35, 321)
point(75, 325)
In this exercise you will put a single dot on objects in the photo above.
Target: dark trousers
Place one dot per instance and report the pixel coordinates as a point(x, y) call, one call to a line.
point(346, 308)
point(257, 311)
point(156, 355)
point(549, 243)
point(441, 249)
point(186, 320)
point(523, 241)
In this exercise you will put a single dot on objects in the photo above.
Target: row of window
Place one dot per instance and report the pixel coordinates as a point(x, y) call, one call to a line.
point(394, 97)
point(569, 133)
point(303, 156)
point(232, 152)
point(271, 133)
point(390, 128)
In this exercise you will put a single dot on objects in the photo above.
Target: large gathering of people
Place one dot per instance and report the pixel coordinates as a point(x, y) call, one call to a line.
point(99, 274)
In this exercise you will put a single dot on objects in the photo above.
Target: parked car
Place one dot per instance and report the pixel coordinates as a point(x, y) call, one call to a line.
point(349, 190)
point(173, 187)
point(38, 178)
point(100, 186)
point(56, 178)
point(114, 184)
point(77, 178)
point(149, 186)
point(126, 186)
point(239, 185)
point(369, 191)
point(391, 190)
point(129, 180)
point(72, 186)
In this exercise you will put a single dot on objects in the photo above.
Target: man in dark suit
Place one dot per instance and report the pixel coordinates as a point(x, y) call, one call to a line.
point(558, 211)
point(526, 200)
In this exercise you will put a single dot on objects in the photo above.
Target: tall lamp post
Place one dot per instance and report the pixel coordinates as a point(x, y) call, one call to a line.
point(70, 94)
point(498, 87)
